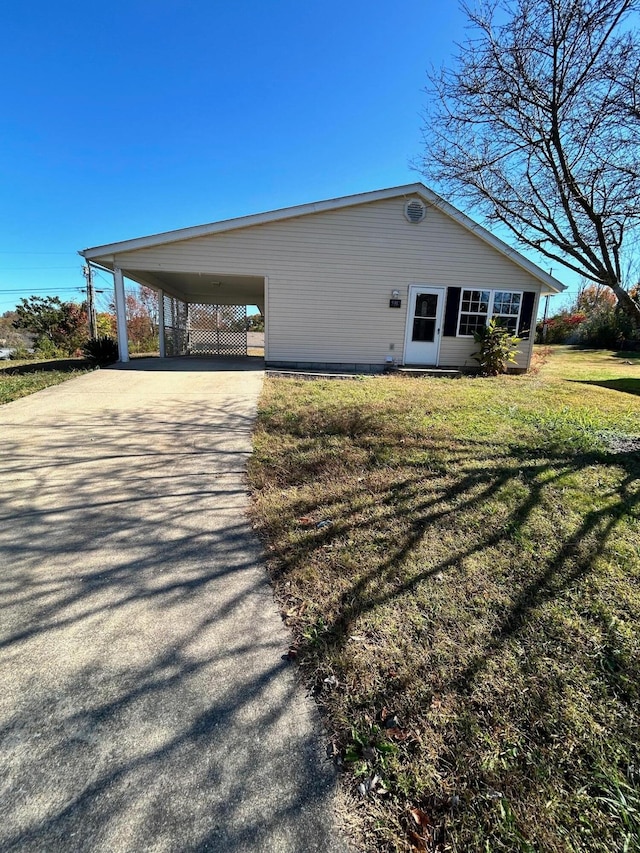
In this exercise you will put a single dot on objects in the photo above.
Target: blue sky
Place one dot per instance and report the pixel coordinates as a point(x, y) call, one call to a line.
point(125, 119)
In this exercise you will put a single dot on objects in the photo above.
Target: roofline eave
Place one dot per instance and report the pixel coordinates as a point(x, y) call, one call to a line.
point(106, 254)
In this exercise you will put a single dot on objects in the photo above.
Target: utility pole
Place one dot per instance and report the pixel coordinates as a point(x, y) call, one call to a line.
point(91, 301)
point(546, 313)
point(544, 319)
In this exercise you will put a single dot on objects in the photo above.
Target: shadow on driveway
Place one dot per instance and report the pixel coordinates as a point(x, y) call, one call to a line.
point(145, 702)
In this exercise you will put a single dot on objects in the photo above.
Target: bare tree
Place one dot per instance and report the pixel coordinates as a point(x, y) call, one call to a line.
point(536, 126)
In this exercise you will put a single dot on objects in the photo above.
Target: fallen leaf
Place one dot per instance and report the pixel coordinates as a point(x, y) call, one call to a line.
point(420, 817)
point(397, 734)
point(418, 844)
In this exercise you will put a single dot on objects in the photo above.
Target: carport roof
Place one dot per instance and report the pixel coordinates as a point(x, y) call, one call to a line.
point(105, 254)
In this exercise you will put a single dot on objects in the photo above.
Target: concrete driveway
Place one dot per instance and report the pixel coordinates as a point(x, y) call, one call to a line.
point(144, 702)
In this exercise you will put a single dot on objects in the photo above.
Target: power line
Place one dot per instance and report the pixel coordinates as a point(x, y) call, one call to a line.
point(19, 269)
point(47, 290)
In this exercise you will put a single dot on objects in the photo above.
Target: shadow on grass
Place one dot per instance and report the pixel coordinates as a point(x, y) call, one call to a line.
point(394, 517)
point(467, 493)
point(627, 354)
point(62, 365)
point(626, 385)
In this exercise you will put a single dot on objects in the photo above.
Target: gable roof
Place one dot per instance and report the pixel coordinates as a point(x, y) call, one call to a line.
point(417, 189)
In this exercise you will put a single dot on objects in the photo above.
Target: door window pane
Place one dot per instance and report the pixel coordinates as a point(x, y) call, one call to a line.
point(424, 329)
point(426, 305)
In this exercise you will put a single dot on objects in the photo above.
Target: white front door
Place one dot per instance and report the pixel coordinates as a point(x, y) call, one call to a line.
point(424, 323)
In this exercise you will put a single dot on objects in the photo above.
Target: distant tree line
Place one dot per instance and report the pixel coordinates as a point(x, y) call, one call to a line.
point(594, 319)
point(51, 328)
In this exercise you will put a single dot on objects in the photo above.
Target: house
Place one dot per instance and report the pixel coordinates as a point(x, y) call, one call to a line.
point(396, 276)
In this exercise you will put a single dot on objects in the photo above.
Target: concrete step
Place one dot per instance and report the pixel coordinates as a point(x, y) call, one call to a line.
point(442, 372)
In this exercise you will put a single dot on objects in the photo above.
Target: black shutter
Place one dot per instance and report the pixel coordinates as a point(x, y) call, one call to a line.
point(451, 312)
point(526, 314)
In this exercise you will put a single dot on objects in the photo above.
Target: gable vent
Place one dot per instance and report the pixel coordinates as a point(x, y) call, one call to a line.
point(415, 210)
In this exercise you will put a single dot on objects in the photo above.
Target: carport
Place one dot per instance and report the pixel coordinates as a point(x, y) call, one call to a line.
point(199, 313)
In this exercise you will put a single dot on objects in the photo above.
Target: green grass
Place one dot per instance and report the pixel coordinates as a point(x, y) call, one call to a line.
point(468, 618)
point(14, 385)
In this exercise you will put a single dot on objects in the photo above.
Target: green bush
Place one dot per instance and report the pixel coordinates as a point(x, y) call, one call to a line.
point(498, 348)
point(47, 349)
point(101, 351)
point(145, 345)
point(21, 353)
point(609, 328)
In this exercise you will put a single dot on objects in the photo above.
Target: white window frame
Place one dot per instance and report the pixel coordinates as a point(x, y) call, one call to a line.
point(490, 313)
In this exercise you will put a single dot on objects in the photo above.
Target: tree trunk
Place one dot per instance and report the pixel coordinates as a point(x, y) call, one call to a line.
point(628, 305)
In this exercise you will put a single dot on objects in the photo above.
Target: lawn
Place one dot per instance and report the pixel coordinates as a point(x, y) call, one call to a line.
point(19, 379)
point(459, 563)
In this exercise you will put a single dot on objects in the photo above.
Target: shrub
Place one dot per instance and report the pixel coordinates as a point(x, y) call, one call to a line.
point(609, 328)
point(561, 328)
point(21, 353)
point(101, 351)
point(144, 345)
point(498, 348)
point(47, 349)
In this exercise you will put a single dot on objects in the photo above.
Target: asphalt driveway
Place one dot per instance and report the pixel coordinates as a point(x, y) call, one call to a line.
point(144, 702)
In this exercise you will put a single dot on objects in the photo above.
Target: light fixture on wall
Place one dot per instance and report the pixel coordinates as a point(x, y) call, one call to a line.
point(395, 293)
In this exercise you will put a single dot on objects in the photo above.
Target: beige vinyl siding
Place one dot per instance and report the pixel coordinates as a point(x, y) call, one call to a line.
point(331, 274)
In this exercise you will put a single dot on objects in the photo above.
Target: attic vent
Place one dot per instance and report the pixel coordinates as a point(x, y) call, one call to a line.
point(415, 210)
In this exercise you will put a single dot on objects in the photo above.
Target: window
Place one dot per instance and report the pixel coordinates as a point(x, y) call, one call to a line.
point(477, 306)
point(474, 310)
point(506, 309)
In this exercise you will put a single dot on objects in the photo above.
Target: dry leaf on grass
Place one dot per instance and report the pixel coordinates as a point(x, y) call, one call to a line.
point(420, 817)
point(418, 844)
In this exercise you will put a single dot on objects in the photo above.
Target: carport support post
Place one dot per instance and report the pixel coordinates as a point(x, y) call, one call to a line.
point(121, 314)
point(163, 348)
